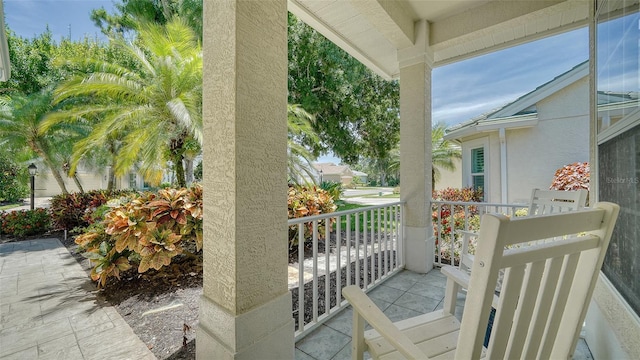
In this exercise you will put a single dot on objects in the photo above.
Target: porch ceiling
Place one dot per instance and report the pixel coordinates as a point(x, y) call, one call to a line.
point(374, 30)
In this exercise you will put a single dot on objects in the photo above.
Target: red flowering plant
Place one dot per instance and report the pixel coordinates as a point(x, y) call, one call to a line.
point(448, 219)
point(571, 177)
point(23, 223)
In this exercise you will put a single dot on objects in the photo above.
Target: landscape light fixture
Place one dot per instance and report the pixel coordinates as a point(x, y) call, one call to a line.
point(33, 169)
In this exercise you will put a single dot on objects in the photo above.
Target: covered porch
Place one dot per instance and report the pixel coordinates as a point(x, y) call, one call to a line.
point(245, 311)
point(404, 295)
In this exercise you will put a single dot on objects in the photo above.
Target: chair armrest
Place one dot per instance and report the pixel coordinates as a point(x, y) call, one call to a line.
point(453, 273)
point(365, 308)
point(462, 279)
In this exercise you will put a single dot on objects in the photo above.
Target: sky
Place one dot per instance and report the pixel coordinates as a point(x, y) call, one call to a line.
point(29, 18)
point(460, 91)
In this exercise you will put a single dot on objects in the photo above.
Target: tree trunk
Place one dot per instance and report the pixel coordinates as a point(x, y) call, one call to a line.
point(188, 171)
point(77, 181)
point(111, 181)
point(179, 168)
point(111, 175)
point(177, 157)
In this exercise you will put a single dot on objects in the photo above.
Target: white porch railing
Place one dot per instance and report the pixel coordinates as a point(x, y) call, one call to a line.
point(361, 246)
point(449, 217)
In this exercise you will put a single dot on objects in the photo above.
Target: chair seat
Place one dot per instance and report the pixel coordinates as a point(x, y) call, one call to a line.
point(435, 333)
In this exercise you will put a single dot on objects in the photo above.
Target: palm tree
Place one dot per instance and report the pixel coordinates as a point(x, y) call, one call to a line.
point(443, 154)
point(300, 132)
point(151, 107)
point(21, 120)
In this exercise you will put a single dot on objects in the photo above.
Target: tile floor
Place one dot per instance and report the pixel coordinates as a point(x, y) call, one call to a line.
point(404, 295)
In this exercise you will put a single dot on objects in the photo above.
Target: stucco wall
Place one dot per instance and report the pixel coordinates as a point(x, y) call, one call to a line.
point(46, 184)
point(612, 329)
point(561, 137)
point(452, 179)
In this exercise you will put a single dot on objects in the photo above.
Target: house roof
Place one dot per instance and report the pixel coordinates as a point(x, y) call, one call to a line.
point(521, 112)
point(333, 169)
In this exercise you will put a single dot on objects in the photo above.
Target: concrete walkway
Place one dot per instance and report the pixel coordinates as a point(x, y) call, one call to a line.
point(48, 308)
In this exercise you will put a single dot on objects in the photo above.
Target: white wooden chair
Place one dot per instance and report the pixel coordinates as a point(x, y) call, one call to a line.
point(546, 291)
point(542, 202)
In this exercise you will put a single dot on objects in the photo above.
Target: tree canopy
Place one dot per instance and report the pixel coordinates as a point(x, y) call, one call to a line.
point(357, 111)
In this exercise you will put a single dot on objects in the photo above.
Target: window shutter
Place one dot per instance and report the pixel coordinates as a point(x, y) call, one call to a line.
point(477, 160)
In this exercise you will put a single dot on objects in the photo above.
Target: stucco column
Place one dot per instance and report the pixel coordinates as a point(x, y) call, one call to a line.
point(245, 310)
point(415, 151)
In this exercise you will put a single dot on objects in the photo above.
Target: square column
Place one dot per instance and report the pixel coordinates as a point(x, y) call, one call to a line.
point(245, 310)
point(415, 152)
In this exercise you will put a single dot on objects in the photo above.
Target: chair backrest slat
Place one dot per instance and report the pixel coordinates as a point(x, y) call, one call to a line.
point(555, 201)
point(540, 315)
point(528, 299)
point(546, 287)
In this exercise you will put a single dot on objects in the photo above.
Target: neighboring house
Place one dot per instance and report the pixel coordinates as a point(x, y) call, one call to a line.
point(46, 185)
point(361, 177)
point(450, 179)
point(518, 147)
point(336, 173)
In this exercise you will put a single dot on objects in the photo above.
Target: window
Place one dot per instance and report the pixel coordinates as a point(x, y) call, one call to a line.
point(618, 155)
point(477, 168)
point(133, 181)
point(475, 165)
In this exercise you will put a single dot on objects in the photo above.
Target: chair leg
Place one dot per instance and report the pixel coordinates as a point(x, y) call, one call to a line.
point(357, 338)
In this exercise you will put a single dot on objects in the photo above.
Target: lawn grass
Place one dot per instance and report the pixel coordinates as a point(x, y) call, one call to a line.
point(9, 206)
point(383, 196)
point(342, 206)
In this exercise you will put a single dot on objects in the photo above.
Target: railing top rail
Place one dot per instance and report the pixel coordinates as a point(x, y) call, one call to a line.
point(341, 213)
point(463, 203)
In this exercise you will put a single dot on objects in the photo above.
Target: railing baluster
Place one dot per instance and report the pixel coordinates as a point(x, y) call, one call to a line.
point(452, 225)
point(315, 271)
point(338, 263)
point(301, 308)
point(357, 263)
point(348, 242)
point(365, 268)
point(373, 251)
point(380, 253)
point(386, 241)
point(327, 265)
point(439, 235)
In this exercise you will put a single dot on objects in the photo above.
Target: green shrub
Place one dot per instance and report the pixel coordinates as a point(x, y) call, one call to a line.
point(23, 223)
point(13, 181)
point(71, 211)
point(334, 189)
point(148, 229)
point(304, 201)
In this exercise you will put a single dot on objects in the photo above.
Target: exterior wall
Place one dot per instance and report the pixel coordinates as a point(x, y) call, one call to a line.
point(561, 137)
point(534, 154)
point(452, 179)
point(46, 185)
point(612, 329)
point(331, 178)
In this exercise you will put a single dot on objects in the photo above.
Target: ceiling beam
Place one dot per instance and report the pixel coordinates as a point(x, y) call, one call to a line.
point(389, 18)
point(485, 17)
